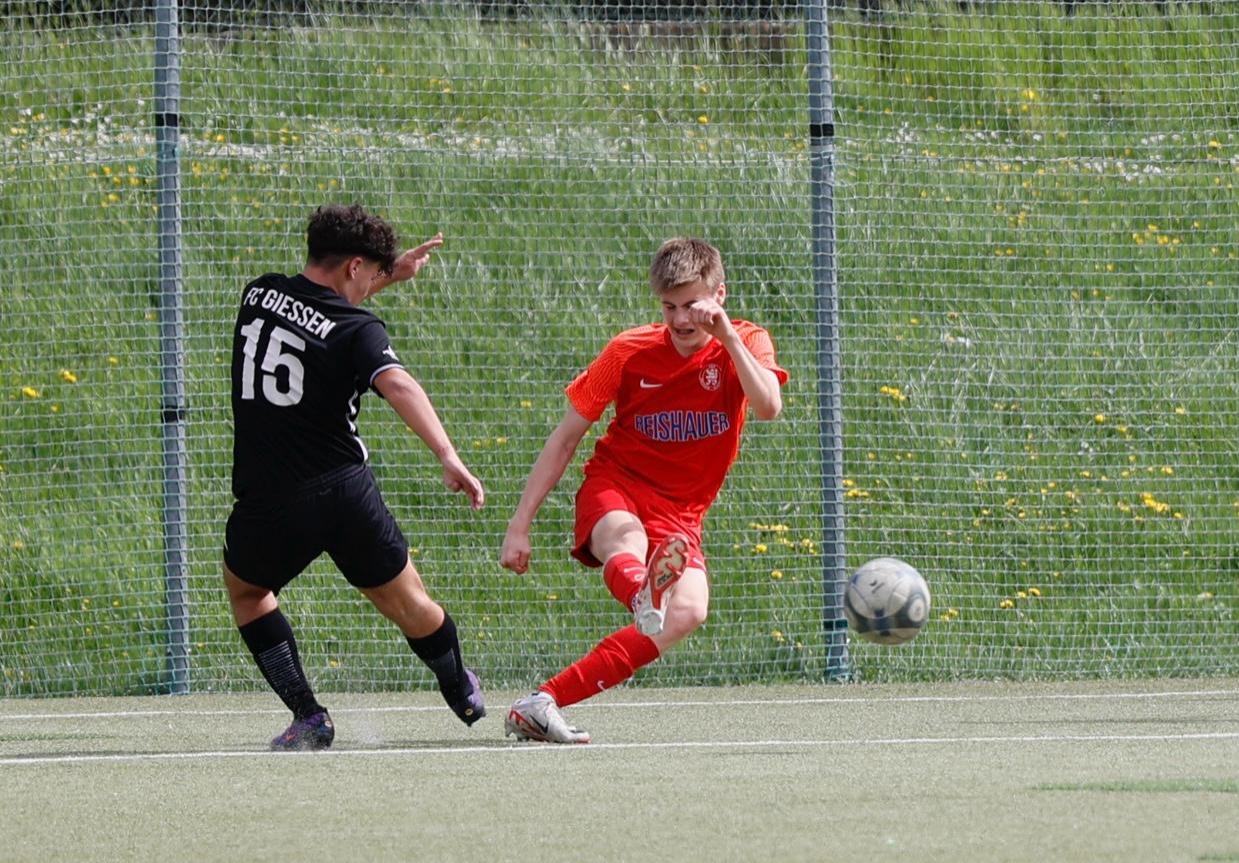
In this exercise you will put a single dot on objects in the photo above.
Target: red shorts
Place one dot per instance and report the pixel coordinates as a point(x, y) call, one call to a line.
point(600, 495)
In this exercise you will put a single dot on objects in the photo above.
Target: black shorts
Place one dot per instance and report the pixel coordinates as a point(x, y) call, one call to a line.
point(270, 539)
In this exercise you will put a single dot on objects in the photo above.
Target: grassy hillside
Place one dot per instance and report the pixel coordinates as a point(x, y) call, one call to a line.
point(1037, 270)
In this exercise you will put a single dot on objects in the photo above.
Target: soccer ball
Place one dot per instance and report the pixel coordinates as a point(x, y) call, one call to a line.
point(886, 601)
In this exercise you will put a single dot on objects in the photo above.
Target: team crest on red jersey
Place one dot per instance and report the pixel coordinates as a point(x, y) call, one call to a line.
point(711, 377)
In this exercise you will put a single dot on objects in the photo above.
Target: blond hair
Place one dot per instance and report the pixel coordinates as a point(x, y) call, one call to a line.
point(682, 261)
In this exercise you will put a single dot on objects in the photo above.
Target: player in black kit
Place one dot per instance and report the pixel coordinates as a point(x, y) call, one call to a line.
point(303, 354)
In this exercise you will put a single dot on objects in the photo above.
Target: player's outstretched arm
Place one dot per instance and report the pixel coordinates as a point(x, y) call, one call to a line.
point(545, 474)
point(408, 264)
point(409, 400)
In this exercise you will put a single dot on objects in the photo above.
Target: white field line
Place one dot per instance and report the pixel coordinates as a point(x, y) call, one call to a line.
point(609, 705)
point(684, 745)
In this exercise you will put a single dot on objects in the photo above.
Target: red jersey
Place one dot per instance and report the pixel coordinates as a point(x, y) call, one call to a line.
point(677, 422)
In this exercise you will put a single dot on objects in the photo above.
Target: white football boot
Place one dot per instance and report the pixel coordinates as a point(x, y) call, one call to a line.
point(667, 563)
point(537, 717)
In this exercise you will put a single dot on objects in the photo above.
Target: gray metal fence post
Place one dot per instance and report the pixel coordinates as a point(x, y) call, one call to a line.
point(172, 341)
point(825, 280)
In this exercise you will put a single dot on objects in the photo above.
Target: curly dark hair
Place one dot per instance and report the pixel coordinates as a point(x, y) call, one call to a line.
point(337, 232)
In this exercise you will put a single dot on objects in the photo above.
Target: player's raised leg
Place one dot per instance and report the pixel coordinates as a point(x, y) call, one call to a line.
point(667, 563)
point(617, 539)
point(687, 608)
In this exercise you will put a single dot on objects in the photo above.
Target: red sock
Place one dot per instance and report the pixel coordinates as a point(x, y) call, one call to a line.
point(624, 573)
point(615, 659)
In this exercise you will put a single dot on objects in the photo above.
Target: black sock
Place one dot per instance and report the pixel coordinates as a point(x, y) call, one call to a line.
point(441, 652)
point(270, 640)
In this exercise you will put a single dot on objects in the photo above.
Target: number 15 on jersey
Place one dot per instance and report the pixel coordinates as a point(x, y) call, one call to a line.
point(282, 352)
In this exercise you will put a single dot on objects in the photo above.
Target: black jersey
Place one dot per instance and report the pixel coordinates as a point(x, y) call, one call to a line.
point(302, 356)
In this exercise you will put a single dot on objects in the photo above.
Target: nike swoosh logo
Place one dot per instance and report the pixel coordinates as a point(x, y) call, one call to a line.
point(646, 385)
point(529, 722)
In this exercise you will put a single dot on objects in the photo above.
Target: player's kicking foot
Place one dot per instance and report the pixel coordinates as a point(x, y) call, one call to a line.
point(313, 732)
point(470, 707)
point(667, 563)
point(537, 717)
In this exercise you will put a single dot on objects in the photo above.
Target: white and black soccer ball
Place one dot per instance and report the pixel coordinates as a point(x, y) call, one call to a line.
point(886, 601)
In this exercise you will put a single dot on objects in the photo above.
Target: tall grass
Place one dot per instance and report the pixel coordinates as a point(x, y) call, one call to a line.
point(1038, 289)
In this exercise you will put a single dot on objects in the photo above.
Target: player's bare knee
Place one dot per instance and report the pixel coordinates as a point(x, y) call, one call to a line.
point(686, 616)
point(696, 615)
point(416, 616)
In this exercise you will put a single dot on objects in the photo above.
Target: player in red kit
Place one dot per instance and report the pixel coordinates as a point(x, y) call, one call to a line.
point(681, 390)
